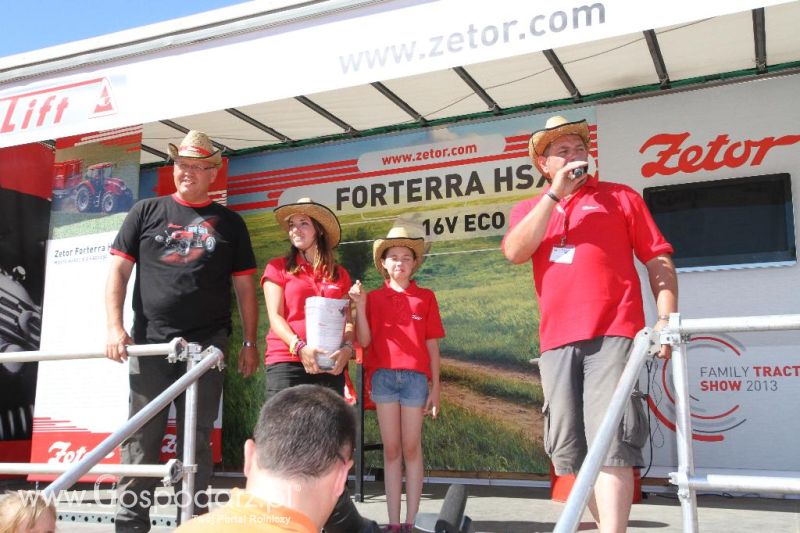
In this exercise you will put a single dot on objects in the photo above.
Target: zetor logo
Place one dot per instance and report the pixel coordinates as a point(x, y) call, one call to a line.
point(53, 106)
point(169, 444)
point(674, 156)
point(62, 452)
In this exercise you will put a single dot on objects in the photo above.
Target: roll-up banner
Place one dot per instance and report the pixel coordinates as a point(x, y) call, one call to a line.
point(95, 180)
point(25, 183)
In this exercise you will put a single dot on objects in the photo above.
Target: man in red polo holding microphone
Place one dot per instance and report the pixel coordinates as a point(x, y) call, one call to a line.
point(581, 236)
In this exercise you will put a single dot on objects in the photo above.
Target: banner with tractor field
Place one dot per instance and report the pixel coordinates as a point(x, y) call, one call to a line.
point(457, 185)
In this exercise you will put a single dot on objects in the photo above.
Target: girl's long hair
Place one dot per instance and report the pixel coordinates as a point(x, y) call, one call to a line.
point(323, 262)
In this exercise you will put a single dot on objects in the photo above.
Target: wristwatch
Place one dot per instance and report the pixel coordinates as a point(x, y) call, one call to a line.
point(248, 344)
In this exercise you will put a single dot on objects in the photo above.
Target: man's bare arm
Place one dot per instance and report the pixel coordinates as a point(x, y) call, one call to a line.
point(524, 239)
point(116, 287)
point(245, 288)
point(664, 284)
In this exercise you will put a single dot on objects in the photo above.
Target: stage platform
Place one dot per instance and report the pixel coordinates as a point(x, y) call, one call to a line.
point(508, 509)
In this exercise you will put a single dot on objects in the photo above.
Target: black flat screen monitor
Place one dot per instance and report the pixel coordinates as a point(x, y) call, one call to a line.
point(733, 222)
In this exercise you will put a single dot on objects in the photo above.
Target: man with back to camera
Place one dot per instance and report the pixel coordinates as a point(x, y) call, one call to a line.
point(296, 466)
point(581, 236)
point(189, 252)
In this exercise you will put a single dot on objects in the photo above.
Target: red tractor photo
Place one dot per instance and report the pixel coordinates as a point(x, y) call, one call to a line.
point(66, 177)
point(102, 192)
point(182, 240)
point(99, 191)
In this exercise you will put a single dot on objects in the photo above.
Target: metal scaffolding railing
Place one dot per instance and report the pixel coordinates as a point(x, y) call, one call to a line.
point(170, 472)
point(198, 362)
point(677, 334)
point(174, 350)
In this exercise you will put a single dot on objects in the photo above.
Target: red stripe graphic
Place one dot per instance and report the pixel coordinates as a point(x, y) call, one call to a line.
point(294, 170)
point(274, 182)
point(254, 205)
point(49, 425)
point(516, 147)
point(374, 173)
point(234, 186)
point(109, 137)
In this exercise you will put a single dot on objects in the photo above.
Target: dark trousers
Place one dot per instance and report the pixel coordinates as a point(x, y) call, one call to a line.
point(345, 518)
point(150, 376)
point(284, 375)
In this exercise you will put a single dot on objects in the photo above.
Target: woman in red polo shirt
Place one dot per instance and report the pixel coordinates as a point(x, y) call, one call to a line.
point(308, 269)
point(400, 324)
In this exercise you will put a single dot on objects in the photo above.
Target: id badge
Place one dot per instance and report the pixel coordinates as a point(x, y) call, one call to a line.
point(563, 254)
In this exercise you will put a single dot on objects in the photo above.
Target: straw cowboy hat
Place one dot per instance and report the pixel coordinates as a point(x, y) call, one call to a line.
point(555, 127)
point(324, 216)
point(196, 145)
point(399, 235)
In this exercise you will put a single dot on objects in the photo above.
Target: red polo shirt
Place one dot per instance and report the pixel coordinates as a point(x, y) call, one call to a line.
point(599, 293)
point(296, 288)
point(400, 323)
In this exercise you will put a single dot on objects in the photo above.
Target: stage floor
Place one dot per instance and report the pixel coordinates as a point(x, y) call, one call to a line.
point(504, 509)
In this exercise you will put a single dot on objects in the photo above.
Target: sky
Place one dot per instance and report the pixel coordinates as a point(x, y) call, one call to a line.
point(32, 24)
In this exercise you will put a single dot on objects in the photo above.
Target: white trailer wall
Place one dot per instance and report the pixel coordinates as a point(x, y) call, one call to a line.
point(754, 427)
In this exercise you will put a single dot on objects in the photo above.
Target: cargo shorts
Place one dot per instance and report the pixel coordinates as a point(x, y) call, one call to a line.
point(578, 381)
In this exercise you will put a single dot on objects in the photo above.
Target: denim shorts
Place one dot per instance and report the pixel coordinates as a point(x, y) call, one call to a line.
point(405, 386)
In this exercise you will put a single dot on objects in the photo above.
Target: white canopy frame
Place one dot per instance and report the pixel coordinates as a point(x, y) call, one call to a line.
point(277, 74)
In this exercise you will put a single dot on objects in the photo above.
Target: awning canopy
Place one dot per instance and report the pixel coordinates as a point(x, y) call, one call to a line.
point(282, 74)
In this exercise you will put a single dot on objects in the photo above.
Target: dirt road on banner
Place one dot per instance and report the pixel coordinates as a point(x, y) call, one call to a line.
point(527, 418)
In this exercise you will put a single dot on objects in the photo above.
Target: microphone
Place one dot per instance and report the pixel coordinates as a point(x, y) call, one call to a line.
point(580, 171)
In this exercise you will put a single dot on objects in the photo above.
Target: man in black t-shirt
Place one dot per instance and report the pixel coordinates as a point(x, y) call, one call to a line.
point(189, 253)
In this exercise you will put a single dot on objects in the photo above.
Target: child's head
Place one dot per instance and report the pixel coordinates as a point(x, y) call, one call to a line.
point(26, 512)
point(399, 254)
point(399, 262)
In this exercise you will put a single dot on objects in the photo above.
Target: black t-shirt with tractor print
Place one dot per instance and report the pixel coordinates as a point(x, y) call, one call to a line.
point(185, 255)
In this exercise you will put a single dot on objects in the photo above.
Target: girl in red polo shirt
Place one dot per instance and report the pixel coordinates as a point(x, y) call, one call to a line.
point(401, 326)
point(307, 270)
